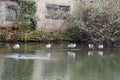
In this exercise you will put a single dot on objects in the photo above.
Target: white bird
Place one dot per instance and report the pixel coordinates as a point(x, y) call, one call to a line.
point(16, 46)
point(72, 45)
point(100, 46)
point(48, 45)
point(91, 46)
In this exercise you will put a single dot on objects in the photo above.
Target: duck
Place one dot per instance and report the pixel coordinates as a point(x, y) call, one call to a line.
point(91, 46)
point(16, 46)
point(72, 45)
point(100, 46)
point(48, 45)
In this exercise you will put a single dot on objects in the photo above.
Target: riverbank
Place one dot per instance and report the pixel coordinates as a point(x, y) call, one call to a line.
point(102, 35)
point(92, 23)
point(71, 35)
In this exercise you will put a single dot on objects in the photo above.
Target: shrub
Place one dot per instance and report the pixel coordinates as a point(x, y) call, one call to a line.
point(100, 21)
point(71, 34)
point(26, 14)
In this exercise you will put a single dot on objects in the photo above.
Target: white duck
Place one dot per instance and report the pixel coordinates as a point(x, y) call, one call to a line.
point(48, 45)
point(100, 46)
point(16, 46)
point(91, 46)
point(72, 45)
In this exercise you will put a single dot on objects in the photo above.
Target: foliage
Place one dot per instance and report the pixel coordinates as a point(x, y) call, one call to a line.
point(27, 7)
point(8, 33)
point(26, 13)
point(71, 34)
point(100, 21)
point(30, 24)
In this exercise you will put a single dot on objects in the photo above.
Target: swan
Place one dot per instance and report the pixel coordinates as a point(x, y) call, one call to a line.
point(48, 45)
point(72, 45)
point(91, 46)
point(16, 46)
point(100, 46)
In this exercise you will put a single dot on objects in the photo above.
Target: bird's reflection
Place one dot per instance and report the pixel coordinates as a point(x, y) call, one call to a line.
point(90, 53)
point(100, 53)
point(71, 54)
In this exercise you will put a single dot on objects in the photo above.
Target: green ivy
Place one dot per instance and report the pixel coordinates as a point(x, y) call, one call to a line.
point(27, 7)
point(26, 12)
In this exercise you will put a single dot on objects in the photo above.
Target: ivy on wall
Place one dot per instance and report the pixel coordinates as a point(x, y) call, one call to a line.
point(27, 7)
point(27, 10)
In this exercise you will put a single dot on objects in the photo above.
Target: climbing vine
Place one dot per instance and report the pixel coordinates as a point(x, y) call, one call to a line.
point(27, 10)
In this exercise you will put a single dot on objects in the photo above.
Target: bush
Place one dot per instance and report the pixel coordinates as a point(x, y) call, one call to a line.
point(71, 34)
point(27, 11)
point(99, 21)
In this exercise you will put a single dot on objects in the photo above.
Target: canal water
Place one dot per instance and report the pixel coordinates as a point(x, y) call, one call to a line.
point(35, 62)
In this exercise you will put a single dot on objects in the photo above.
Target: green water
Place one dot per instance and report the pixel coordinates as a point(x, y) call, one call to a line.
point(35, 62)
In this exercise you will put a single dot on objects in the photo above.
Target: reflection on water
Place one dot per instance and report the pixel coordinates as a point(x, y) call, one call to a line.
point(90, 53)
point(35, 62)
point(28, 56)
point(71, 54)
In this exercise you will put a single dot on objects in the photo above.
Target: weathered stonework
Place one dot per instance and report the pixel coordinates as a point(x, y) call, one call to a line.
point(42, 22)
point(3, 4)
point(51, 24)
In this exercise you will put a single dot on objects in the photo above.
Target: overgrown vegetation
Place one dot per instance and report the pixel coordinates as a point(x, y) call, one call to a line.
point(26, 14)
point(19, 34)
point(99, 21)
point(24, 25)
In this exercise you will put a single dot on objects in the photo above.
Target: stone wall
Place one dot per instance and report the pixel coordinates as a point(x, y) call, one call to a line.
point(3, 4)
point(51, 24)
point(42, 22)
